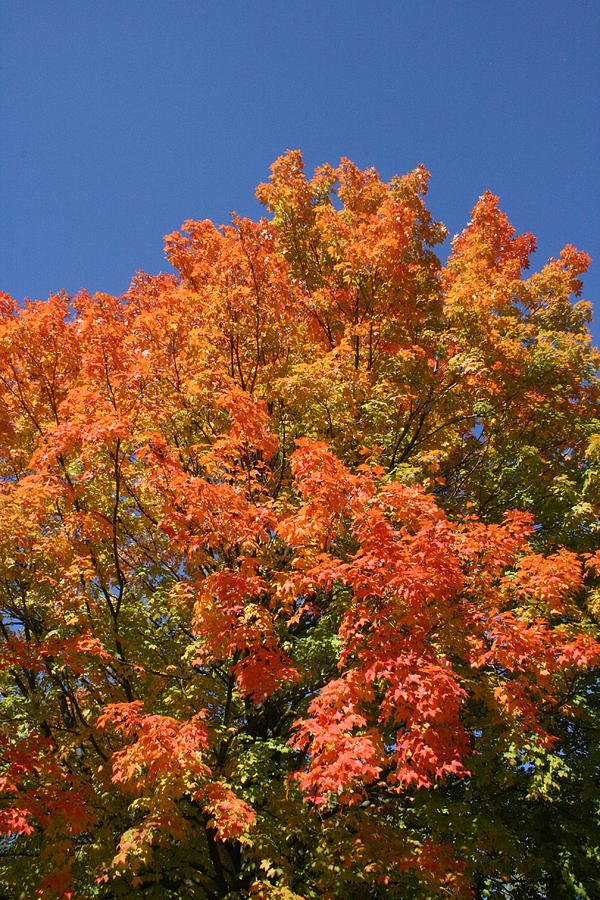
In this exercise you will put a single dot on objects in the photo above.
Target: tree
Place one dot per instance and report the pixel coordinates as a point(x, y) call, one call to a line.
point(299, 579)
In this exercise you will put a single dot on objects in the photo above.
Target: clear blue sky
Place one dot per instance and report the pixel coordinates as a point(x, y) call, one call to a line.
point(122, 119)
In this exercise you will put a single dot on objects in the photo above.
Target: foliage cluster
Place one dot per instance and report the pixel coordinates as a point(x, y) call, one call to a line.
point(298, 567)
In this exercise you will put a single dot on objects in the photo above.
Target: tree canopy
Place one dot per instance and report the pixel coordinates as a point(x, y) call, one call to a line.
point(298, 563)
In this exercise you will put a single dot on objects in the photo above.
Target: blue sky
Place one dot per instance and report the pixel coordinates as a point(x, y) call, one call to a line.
point(122, 119)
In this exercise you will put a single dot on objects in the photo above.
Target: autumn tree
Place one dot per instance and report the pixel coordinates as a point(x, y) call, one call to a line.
point(298, 563)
